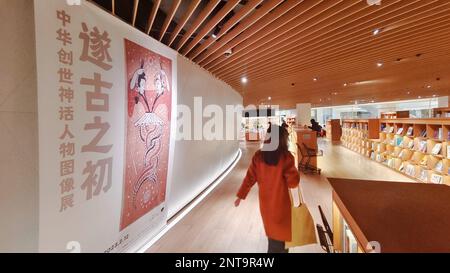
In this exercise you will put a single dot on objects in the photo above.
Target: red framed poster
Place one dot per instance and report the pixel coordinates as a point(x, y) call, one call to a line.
point(149, 98)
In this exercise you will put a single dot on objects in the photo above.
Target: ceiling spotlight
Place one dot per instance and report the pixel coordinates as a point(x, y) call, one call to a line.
point(434, 96)
point(315, 79)
point(379, 64)
point(228, 52)
point(408, 92)
point(244, 80)
point(216, 32)
point(345, 84)
point(419, 97)
point(428, 86)
point(269, 98)
point(372, 101)
point(376, 31)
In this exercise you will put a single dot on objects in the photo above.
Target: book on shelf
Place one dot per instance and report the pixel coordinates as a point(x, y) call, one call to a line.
point(410, 144)
point(440, 133)
point(423, 175)
point(400, 131)
point(410, 131)
point(401, 154)
point(378, 158)
point(410, 170)
point(399, 141)
point(391, 130)
point(448, 151)
point(423, 146)
point(436, 149)
point(436, 178)
point(402, 167)
point(439, 167)
point(423, 133)
point(424, 161)
point(391, 163)
point(448, 135)
point(372, 156)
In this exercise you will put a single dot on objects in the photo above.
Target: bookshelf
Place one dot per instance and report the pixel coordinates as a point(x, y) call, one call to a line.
point(441, 112)
point(357, 133)
point(333, 129)
point(418, 148)
point(395, 115)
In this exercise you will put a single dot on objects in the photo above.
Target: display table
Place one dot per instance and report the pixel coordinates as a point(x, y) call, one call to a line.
point(401, 217)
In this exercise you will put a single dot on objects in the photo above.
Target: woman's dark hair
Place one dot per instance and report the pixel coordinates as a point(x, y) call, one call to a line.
point(275, 145)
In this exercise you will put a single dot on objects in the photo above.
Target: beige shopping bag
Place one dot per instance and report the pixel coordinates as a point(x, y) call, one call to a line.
point(303, 231)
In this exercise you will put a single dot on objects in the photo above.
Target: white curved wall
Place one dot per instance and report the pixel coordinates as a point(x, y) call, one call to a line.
point(197, 163)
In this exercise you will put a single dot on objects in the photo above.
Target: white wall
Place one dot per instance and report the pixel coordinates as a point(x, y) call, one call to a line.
point(197, 163)
point(18, 129)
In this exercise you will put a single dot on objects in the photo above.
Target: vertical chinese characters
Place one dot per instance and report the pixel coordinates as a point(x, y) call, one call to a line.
point(66, 112)
point(97, 175)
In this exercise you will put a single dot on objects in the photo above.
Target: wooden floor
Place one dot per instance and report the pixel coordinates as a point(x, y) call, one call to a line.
point(215, 225)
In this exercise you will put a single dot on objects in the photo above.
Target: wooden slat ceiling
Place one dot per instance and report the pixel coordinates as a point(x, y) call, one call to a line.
point(296, 51)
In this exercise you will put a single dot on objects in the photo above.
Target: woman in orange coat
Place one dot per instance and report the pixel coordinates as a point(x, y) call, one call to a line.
point(273, 168)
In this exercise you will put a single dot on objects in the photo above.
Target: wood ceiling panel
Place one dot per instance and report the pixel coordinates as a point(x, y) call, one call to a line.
point(222, 45)
point(249, 7)
point(152, 15)
point(293, 39)
point(294, 58)
point(210, 25)
point(198, 21)
point(343, 32)
point(169, 17)
point(187, 15)
point(276, 43)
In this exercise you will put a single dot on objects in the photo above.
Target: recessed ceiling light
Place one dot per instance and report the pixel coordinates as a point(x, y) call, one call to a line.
point(269, 98)
point(419, 97)
point(428, 86)
point(315, 79)
point(434, 96)
point(214, 36)
point(376, 31)
point(408, 92)
point(345, 84)
point(379, 64)
point(229, 52)
point(244, 80)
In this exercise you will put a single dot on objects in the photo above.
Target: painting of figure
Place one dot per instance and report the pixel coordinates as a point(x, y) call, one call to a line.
point(149, 97)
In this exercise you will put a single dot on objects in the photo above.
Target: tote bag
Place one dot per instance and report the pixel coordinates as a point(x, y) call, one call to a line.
point(303, 230)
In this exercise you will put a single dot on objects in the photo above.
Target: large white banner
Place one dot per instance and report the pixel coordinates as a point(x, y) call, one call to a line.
point(107, 104)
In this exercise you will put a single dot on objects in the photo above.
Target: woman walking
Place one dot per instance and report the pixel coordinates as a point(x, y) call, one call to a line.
point(275, 172)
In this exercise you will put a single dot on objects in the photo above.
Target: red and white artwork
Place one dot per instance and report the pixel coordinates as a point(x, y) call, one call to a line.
point(149, 95)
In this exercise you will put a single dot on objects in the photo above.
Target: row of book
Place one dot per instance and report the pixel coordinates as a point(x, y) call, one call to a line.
point(410, 169)
point(438, 134)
